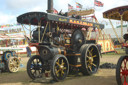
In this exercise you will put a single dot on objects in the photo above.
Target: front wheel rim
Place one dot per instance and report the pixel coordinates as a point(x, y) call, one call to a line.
point(36, 68)
point(60, 68)
point(13, 64)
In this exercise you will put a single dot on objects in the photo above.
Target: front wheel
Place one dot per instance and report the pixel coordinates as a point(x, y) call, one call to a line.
point(122, 71)
point(59, 68)
point(13, 64)
point(34, 67)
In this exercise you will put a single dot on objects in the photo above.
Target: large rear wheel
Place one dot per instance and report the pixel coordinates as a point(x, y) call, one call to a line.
point(122, 71)
point(90, 59)
point(35, 67)
point(60, 67)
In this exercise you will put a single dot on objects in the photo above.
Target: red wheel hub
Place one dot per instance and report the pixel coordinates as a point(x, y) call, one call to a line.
point(124, 71)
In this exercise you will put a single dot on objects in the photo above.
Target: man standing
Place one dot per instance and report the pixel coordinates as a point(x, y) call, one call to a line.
point(28, 51)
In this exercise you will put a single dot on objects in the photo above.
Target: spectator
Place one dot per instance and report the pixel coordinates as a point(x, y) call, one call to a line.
point(28, 51)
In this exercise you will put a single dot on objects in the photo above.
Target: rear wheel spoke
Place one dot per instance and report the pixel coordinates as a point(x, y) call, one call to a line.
point(90, 68)
point(57, 71)
point(62, 62)
point(64, 68)
point(94, 56)
point(94, 64)
point(91, 49)
point(62, 72)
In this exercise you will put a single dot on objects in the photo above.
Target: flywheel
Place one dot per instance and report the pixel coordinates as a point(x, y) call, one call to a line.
point(78, 39)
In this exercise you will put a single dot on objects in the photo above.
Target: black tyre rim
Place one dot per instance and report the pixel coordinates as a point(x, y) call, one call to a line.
point(60, 68)
point(122, 71)
point(92, 59)
point(34, 67)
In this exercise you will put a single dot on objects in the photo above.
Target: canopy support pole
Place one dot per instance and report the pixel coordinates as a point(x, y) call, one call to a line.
point(39, 31)
point(89, 34)
point(23, 29)
point(44, 31)
point(121, 27)
point(114, 30)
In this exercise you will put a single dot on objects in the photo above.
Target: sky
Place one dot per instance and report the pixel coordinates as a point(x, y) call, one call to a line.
point(10, 9)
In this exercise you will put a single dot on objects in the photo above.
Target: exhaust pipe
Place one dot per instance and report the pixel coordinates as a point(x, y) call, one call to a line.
point(50, 6)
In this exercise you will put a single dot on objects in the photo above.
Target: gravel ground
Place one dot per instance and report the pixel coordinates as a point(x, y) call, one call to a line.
point(102, 77)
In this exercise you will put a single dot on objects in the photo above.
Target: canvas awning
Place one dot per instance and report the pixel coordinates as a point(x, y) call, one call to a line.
point(116, 13)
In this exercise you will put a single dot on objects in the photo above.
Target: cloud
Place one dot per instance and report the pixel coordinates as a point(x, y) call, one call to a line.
point(17, 7)
point(59, 4)
point(7, 19)
point(38, 8)
point(24, 4)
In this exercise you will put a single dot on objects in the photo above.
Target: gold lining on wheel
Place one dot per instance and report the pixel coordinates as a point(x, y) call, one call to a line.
point(90, 60)
point(60, 70)
point(13, 64)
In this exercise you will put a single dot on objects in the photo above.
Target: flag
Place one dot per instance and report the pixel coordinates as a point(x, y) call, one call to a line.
point(98, 3)
point(78, 5)
point(55, 11)
point(70, 7)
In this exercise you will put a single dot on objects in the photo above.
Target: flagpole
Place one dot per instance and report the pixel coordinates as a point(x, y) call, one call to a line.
point(68, 7)
point(94, 4)
point(94, 8)
point(76, 7)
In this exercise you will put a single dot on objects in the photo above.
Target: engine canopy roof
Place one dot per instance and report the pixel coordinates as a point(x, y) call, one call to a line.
point(33, 18)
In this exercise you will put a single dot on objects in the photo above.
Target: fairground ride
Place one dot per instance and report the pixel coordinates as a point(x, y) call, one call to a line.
point(120, 13)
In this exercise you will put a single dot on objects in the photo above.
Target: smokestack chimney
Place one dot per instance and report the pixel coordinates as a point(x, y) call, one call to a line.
point(50, 6)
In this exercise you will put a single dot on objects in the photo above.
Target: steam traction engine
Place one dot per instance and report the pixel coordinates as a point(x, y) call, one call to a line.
point(9, 61)
point(61, 44)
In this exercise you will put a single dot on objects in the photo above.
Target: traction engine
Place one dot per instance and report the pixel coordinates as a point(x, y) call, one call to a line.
point(61, 44)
